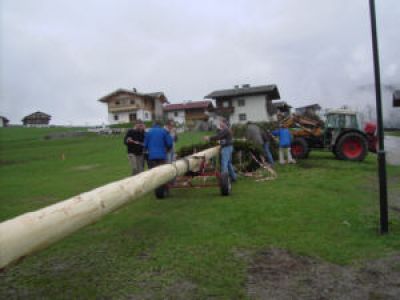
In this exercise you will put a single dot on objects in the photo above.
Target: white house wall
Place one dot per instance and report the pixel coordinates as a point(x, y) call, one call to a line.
point(180, 118)
point(254, 108)
point(123, 117)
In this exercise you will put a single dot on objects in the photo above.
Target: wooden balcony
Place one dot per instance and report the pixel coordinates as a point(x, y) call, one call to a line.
point(120, 108)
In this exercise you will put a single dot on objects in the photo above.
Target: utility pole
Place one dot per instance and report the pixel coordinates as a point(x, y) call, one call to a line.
point(383, 203)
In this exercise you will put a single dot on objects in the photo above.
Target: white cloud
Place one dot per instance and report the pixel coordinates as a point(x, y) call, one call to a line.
point(61, 56)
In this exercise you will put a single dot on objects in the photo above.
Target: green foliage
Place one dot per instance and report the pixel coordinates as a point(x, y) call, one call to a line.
point(242, 158)
point(129, 125)
point(239, 130)
point(195, 242)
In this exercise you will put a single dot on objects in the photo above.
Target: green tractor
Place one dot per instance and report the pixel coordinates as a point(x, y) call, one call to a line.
point(341, 135)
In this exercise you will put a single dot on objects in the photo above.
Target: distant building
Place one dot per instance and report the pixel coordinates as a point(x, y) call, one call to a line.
point(396, 98)
point(129, 105)
point(3, 121)
point(312, 109)
point(246, 103)
point(188, 112)
point(282, 107)
point(37, 119)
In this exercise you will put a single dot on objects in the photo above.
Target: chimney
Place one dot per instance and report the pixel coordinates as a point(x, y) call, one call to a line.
point(236, 86)
point(134, 90)
point(245, 86)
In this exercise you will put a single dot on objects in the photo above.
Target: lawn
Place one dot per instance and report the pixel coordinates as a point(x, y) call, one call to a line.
point(195, 244)
point(392, 133)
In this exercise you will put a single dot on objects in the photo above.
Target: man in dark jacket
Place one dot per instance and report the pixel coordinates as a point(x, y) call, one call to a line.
point(260, 137)
point(224, 136)
point(157, 143)
point(134, 140)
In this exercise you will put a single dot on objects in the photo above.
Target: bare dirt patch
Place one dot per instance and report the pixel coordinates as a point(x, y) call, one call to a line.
point(279, 274)
point(85, 167)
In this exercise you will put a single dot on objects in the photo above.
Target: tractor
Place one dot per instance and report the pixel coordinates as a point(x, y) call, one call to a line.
point(340, 134)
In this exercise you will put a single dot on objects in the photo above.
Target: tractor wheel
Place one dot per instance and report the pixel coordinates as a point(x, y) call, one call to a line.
point(299, 148)
point(162, 192)
point(225, 184)
point(352, 146)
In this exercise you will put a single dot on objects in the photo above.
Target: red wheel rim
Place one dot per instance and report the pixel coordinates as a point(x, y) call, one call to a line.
point(297, 149)
point(352, 148)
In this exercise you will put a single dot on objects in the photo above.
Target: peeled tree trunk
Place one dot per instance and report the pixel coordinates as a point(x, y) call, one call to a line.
point(30, 232)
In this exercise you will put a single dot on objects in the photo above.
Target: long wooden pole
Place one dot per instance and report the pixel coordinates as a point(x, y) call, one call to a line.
point(30, 232)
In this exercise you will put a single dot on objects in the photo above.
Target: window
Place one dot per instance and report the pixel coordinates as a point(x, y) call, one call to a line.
point(175, 113)
point(225, 104)
point(116, 118)
point(132, 102)
point(117, 102)
point(132, 117)
point(241, 102)
point(146, 115)
point(242, 117)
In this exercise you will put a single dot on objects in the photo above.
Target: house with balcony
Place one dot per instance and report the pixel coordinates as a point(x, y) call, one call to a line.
point(246, 103)
point(36, 119)
point(191, 111)
point(125, 106)
point(312, 109)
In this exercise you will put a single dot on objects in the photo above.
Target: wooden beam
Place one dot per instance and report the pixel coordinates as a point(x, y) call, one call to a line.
point(30, 232)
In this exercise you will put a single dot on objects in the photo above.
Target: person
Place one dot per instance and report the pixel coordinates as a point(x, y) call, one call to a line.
point(267, 139)
point(224, 136)
point(157, 143)
point(284, 144)
point(170, 127)
point(133, 140)
point(260, 138)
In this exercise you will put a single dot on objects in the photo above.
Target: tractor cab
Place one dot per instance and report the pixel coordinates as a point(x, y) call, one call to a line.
point(341, 119)
point(337, 121)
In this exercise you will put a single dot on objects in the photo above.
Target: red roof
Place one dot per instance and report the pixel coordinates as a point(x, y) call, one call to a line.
point(188, 105)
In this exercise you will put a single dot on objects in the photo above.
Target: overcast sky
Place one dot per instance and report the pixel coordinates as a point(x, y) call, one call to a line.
point(60, 56)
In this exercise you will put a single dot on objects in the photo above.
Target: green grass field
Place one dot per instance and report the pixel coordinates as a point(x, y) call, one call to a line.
point(195, 241)
point(392, 133)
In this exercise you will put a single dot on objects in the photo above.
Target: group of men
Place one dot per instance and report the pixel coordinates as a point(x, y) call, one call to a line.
point(264, 138)
point(156, 146)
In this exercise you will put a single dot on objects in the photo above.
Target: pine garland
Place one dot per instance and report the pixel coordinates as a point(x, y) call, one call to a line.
point(242, 159)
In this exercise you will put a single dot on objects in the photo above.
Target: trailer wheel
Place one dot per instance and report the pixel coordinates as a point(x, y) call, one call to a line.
point(225, 184)
point(299, 148)
point(161, 192)
point(352, 146)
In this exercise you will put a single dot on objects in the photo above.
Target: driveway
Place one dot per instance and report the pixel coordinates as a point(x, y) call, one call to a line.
point(392, 148)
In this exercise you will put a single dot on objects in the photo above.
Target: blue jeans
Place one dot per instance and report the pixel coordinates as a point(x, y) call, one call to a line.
point(226, 162)
point(268, 153)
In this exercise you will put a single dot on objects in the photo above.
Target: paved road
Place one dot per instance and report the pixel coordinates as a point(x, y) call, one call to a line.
point(392, 147)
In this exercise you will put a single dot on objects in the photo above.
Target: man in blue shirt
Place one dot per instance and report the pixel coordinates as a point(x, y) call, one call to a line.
point(157, 143)
point(285, 140)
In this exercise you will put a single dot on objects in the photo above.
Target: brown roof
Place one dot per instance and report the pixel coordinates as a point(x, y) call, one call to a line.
point(159, 95)
point(37, 115)
point(188, 105)
point(247, 90)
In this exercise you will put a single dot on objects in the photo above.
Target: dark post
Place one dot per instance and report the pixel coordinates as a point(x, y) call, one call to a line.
point(381, 149)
